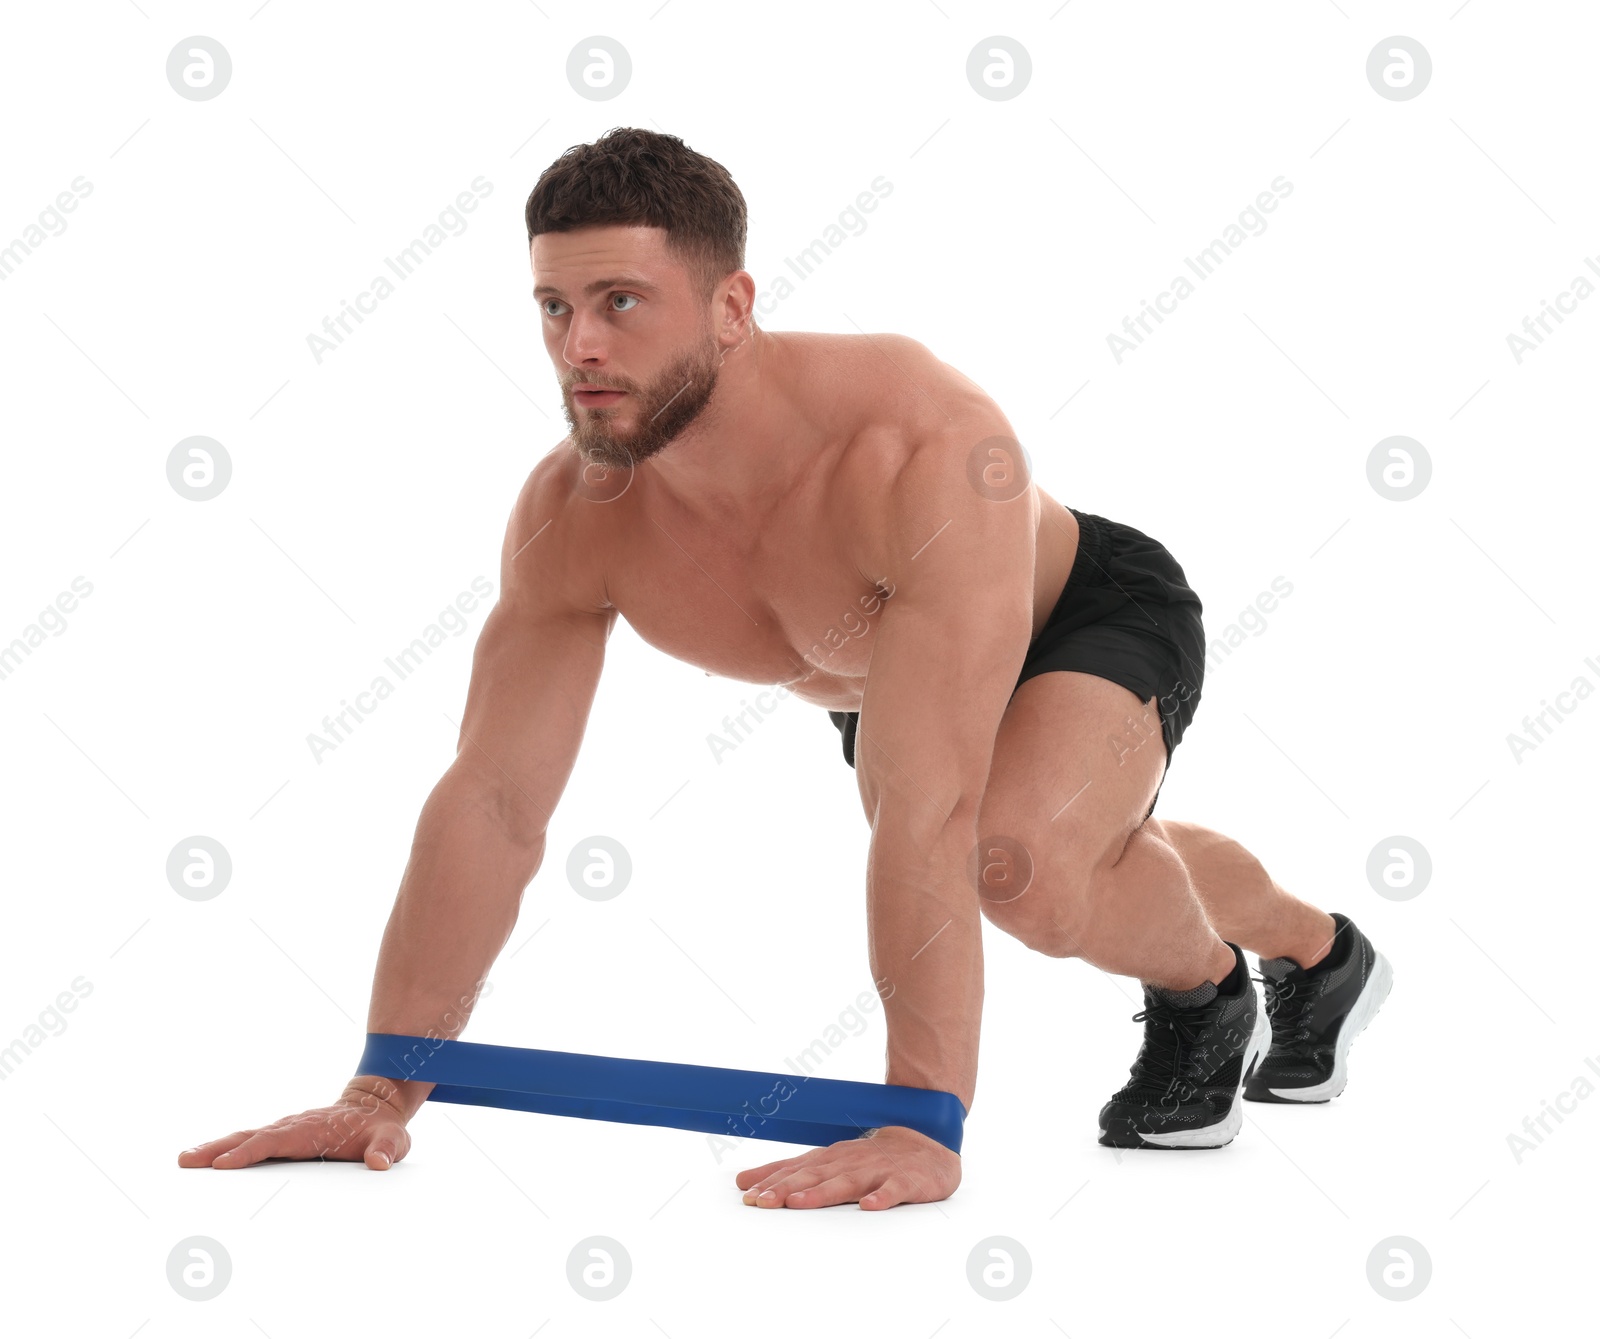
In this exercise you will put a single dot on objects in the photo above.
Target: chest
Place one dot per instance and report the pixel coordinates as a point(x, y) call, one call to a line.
point(788, 605)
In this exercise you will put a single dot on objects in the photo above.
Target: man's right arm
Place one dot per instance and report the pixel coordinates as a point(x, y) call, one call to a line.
point(480, 837)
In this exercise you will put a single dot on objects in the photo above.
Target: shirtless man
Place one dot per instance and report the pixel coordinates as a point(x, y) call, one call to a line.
point(737, 495)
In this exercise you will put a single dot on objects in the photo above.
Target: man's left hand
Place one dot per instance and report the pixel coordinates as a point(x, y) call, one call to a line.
point(893, 1165)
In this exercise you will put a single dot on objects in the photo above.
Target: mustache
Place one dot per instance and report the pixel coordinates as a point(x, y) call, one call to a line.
point(595, 381)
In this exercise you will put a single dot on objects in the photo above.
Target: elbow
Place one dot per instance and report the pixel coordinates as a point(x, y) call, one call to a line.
point(928, 826)
point(510, 813)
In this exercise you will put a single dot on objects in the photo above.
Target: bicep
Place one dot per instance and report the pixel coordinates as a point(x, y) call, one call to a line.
point(950, 641)
point(535, 670)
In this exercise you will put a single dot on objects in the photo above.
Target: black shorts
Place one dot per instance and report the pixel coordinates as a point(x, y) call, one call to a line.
point(1128, 614)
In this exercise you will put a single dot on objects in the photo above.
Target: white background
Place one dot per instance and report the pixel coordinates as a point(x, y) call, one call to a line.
point(369, 490)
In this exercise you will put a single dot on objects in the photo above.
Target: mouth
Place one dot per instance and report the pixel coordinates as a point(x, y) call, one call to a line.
point(595, 398)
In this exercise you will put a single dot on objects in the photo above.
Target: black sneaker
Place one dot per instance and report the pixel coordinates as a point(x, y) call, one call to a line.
point(1315, 1014)
point(1183, 1089)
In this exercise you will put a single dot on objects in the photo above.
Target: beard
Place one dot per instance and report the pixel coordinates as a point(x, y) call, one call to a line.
point(661, 410)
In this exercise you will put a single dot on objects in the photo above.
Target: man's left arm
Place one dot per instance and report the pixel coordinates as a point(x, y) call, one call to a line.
point(956, 558)
point(959, 552)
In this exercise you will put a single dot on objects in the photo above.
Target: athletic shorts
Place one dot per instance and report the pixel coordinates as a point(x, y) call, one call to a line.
point(1128, 614)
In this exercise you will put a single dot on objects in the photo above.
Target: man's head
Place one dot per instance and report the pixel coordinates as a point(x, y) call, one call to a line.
point(637, 246)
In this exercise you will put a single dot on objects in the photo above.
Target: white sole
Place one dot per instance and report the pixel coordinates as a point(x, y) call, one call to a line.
point(1214, 1136)
point(1372, 995)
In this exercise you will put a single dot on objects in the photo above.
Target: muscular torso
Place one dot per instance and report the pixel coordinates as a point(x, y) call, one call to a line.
point(771, 593)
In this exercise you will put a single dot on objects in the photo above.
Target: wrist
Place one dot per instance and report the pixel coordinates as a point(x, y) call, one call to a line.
point(372, 1092)
point(908, 1134)
point(905, 1076)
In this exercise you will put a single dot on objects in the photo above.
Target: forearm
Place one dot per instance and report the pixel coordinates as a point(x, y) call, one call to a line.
point(457, 904)
point(925, 945)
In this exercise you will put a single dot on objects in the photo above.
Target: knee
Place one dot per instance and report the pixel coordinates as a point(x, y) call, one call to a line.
point(1053, 895)
point(1035, 893)
point(1147, 858)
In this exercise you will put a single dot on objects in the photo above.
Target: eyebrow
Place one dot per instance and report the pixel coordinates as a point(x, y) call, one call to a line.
point(597, 286)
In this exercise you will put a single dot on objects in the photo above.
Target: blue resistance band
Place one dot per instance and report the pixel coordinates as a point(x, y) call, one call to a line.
point(738, 1103)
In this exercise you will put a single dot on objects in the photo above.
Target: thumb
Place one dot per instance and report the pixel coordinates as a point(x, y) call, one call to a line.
point(384, 1150)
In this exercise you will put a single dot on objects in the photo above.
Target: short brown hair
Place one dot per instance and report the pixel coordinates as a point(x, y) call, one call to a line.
point(631, 176)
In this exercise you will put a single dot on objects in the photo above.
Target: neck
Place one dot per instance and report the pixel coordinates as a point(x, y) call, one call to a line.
point(737, 456)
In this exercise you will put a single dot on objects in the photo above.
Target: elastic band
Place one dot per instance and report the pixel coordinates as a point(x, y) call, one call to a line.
point(738, 1103)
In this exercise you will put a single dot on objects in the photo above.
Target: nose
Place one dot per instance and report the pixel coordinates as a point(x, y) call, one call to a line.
point(585, 343)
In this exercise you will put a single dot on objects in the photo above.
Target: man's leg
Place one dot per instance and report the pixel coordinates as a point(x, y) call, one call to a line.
point(1063, 818)
point(1068, 863)
point(1242, 901)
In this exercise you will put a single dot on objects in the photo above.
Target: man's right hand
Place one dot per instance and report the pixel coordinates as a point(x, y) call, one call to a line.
point(366, 1124)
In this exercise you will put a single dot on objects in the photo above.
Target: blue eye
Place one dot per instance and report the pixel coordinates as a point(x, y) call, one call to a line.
point(561, 307)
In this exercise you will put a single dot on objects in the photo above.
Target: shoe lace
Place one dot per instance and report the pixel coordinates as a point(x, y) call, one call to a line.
point(1165, 1058)
point(1289, 1011)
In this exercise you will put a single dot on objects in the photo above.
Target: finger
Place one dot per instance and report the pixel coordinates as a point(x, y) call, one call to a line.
point(844, 1188)
point(262, 1144)
point(775, 1195)
point(384, 1150)
point(892, 1192)
point(201, 1155)
point(911, 1185)
point(784, 1170)
point(755, 1175)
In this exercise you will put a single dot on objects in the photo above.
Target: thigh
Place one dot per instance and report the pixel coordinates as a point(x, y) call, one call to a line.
point(1077, 763)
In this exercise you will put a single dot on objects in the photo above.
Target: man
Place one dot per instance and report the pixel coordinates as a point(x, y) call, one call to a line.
point(851, 518)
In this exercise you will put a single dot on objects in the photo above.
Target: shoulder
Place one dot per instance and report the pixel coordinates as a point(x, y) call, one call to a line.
point(941, 451)
point(914, 407)
point(550, 553)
